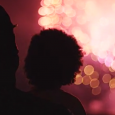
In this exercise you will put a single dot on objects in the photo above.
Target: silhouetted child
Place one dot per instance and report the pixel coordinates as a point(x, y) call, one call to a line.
point(53, 60)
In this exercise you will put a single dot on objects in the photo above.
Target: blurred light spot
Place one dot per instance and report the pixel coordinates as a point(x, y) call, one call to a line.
point(102, 54)
point(95, 75)
point(106, 78)
point(113, 65)
point(66, 21)
point(80, 4)
point(87, 49)
point(76, 32)
point(111, 70)
point(55, 19)
point(94, 83)
point(101, 60)
point(86, 80)
point(112, 96)
point(84, 39)
point(69, 11)
point(44, 21)
point(56, 2)
point(46, 10)
point(81, 19)
point(89, 69)
point(93, 57)
point(78, 79)
point(42, 3)
point(96, 106)
point(47, 2)
point(96, 91)
point(68, 2)
point(112, 83)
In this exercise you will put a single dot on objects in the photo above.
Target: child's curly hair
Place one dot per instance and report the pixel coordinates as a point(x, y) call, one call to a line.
point(53, 59)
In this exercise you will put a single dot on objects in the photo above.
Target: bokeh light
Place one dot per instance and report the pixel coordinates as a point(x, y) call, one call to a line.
point(94, 83)
point(89, 69)
point(93, 57)
point(112, 83)
point(78, 79)
point(96, 91)
point(86, 80)
point(111, 70)
point(94, 75)
point(106, 78)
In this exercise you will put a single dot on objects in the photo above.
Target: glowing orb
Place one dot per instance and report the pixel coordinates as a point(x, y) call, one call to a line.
point(112, 83)
point(86, 80)
point(94, 83)
point(106, 78)
point(78, 79)
point(89, 69)
point(96, 91)
point(95, 75)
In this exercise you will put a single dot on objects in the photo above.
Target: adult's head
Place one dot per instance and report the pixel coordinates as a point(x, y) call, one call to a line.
point(9, 59)
point(53, 59)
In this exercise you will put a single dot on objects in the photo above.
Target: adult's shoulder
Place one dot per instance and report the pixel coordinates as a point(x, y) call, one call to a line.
point(46, 107)
point(74, 104)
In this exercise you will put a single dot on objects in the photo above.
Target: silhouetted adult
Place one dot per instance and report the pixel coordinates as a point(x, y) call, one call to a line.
point(9, 59)
point(53, 60)
point(12, 100)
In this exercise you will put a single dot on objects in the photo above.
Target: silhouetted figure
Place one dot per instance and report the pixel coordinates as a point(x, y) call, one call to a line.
point(9, 59)
point(12, 100)
point(53, 60)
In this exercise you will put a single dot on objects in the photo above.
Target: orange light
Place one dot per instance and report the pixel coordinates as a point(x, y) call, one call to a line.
point(86, 80)
point(112, 83)
point(111, 70)
point(89, 69)
point(96, 91)
point(47, 2)
point(45, 10)
point(55, 19)
point(44, 21)
point(78, 79)
point(94, 83)
point(106, 78)
point(56, 2)
point(95, 75)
